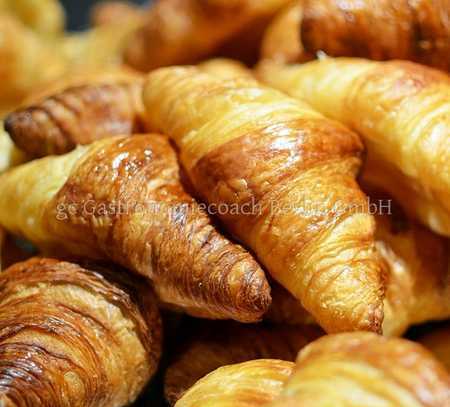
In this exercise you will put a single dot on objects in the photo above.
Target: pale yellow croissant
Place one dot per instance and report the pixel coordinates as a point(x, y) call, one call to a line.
point(121, 199)
point(438, 342)
point(281, 177)
point(402, 111)
point(248, 384)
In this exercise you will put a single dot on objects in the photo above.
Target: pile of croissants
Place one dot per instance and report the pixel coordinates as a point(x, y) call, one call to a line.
point(246, 199)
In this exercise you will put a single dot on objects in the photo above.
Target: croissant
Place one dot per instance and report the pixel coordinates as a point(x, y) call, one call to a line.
point(281, 41)
point(364, 369)
point(121, 199)
point(215, 344)
point(248, 384)
point(78, 115)
point(185, 31)
point(413, 30)
point(46, 17)
point(417, 278)
point(401, 110)
point(26, 62)
point(259, 159)
point(438, 342)
point(71, 336)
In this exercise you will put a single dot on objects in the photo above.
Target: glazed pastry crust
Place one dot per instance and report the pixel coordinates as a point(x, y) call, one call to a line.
point(248, 147)
point(364, 369)
point(78, 115)
point(416, 30)
point(121, 199)
point(248, 384)
point(185, 31)
point(438, 343)
point(215, 344)
point(116, 12)
point(401, 110)
point(71, 336)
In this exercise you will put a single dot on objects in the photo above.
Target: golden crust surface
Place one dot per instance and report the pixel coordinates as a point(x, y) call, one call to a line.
point(364, 369)
point(77, 115)
point(247, 146)
point(71, 336)
point(248, 384)
point(416, 30)
point(401, 109)
point(121, 199)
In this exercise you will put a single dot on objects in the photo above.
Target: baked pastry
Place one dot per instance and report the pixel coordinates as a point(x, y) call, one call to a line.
point(121, 199)
point(417, 278)
point(438, 342)
point(248, 384)
point(364, 369)
point(185, 31)
point(77, 115)
point(281, 178)
point(401, 110)
point(73, 336)
point(211, 345)
point(416, 30)
point(45, 17)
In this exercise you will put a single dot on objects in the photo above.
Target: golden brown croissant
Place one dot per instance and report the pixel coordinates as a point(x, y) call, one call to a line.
point(363, 369)
point(438, 342)
point(249, 384)
point(71, 336)
point(281, 42)
point(416, 30)
point(281, 178)
point(26, 62)
point(78, 115)
point(185, 31)
point(121, 199)
point(401, 110)
point(215, 344)
point(46, 17)
point(417, 278)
